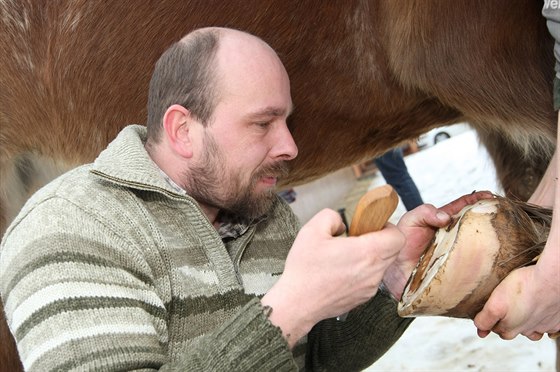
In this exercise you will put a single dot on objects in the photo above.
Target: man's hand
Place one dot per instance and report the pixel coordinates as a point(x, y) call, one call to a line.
point(327, 275)
point(526, 302)
point(419, 227)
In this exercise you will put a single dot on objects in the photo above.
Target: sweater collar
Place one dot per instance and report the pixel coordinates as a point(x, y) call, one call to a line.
point(126, 162)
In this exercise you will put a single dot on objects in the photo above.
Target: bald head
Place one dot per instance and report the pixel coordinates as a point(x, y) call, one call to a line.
point(228, 35)
point(190, 72)
point(242, 56)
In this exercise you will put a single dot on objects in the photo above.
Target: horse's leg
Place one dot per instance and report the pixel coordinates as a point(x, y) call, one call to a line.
point(518, 170)
point(10, 203)
point(13, 189)
point(20, 176)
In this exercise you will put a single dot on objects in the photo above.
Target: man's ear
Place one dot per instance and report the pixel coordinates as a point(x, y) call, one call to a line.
point(177, 122)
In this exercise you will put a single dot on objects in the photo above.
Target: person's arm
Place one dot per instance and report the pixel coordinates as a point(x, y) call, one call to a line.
point(527, 301)
point(546, 191)
point(367, 334)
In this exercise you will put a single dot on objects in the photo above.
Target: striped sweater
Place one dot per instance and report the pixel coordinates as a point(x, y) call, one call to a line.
point(109, 268)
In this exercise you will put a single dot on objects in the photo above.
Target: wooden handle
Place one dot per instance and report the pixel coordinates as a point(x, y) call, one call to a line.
point(374, 210)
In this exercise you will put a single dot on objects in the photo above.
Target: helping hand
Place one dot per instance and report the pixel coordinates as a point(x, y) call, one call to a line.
point(527, 301)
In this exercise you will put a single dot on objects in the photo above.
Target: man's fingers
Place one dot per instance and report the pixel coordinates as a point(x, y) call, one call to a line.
point(535, 336)
point(485, 323)
point(482, 333)
point(389, 241)
point(506, 335)
point(327, 221)
point(425, 215)
point(428, 215)
point(493, 318)
point(455, 206)
point(489, 317)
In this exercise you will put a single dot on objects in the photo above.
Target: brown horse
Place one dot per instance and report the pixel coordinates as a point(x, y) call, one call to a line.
point(366, 76)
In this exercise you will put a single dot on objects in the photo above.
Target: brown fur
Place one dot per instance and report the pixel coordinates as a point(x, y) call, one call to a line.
point(366, 76)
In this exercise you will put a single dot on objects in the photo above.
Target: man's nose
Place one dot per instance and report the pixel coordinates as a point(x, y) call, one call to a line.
point(284, 145)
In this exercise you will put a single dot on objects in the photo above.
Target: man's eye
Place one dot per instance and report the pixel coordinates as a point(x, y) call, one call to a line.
point(264, 124)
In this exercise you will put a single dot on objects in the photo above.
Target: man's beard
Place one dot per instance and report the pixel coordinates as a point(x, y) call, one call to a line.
point(209, 183)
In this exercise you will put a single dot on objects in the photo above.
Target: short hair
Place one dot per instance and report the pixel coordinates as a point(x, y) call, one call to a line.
point(184, 75)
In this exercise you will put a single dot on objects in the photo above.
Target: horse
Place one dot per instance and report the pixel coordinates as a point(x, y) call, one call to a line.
point(366, 76)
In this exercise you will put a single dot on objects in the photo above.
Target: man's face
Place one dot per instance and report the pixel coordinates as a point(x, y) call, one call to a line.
point(230, 189)
point(246, 145)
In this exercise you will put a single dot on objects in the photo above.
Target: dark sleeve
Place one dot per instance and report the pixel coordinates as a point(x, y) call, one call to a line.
point(368, 332)
point(556, 93)
point(552, 15)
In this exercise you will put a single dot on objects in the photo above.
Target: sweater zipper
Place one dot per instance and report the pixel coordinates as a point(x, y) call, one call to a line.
point(147, 187)
point(136, 185)
point(239, 254)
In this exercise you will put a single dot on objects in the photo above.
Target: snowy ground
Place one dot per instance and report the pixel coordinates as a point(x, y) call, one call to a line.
point(448, 170)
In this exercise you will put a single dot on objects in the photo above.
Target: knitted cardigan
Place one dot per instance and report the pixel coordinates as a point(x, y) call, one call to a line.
point(108, 267)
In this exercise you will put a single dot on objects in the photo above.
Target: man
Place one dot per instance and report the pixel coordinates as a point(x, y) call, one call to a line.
point(172, 251)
